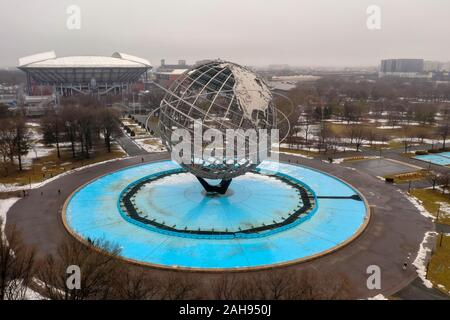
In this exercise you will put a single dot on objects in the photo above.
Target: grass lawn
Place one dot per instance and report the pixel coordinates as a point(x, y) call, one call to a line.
point(431, 200)
point(394, 144)
point(408, 155)
point(439, 267)
point(48, 166)
point(409, 176)
point(342, 130)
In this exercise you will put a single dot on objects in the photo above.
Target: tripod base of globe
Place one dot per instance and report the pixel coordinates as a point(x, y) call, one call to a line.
point(221, 188)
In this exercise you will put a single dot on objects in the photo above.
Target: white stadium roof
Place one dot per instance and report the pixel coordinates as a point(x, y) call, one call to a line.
point(46, 69)
point(49, 60)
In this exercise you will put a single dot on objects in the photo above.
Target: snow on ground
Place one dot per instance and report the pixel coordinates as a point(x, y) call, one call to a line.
point(362, 142)
point(33, 124)
point(156, 146)
point(378, 297)
point(418, 204)
point(443, 288)
point(30, 294)
point(37, 151)
point(371, 120)
point(294, 154)
point(444, 209)
point(423, 257)
point(418, 140)
point(338, 148)
point(389, 127)
point(340, 160)
point(5, 205)
point(335, 121)
point(426, 247)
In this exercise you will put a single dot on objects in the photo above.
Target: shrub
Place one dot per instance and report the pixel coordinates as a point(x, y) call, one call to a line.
point(421, 153)
point(390, 180)
point(434, 151)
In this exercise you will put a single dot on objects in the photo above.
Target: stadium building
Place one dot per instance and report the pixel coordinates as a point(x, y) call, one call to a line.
point(88, 75)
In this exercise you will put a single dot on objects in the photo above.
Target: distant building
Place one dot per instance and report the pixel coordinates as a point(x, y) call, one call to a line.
point(278, 67)
point(166, 78)
point(446, 67)
point(433, 66)
point(166, 74)
point(409, 68)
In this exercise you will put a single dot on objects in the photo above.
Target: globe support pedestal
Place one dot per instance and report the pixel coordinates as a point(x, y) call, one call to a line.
point(221, 188)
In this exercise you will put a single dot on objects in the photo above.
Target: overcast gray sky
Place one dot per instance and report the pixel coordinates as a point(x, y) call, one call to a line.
point(253, 32)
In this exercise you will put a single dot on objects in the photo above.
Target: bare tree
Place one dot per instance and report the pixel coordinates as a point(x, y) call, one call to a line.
point(324, 135)
point(135, 284)
point(177, 286)
point(52, 126)
point(282, 284)
point(224, 287)
point(444, 131)
point(108, 124)
point(17, 264)
point(433, 178)
point(444, 181)
point(99, 270)
point(21, 138)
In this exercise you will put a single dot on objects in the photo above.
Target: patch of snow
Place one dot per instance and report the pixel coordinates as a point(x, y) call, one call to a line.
point(418, 204)
point(293, 154)
point(389, 127)
point(443, 288)
point(423, 256)
point(340, 160)
point(33, 124)
point(156, 147)
point(378, 297)
point(30, 294)
point(418, 140)
point(5, 205)
point(335, 121)
point(444, 209)
point(38, 151)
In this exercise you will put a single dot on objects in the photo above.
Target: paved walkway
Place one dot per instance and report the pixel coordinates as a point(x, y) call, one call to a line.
point(395, 231)
point(417, 291)
point(130, 147)
point(443, 228)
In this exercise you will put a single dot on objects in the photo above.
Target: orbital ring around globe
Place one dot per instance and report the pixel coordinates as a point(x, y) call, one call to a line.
point(220, 214)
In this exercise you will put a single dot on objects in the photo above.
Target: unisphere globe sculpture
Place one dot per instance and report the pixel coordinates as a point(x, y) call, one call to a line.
point(221, 95)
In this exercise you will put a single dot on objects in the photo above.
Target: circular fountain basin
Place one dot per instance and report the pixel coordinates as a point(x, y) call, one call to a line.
point(160, 216)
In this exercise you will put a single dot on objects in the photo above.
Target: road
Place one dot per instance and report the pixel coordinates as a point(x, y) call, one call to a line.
point(394, 232)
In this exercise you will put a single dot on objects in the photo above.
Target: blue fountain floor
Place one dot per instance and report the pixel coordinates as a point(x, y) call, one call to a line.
point(92, 212)
point(252, 200)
